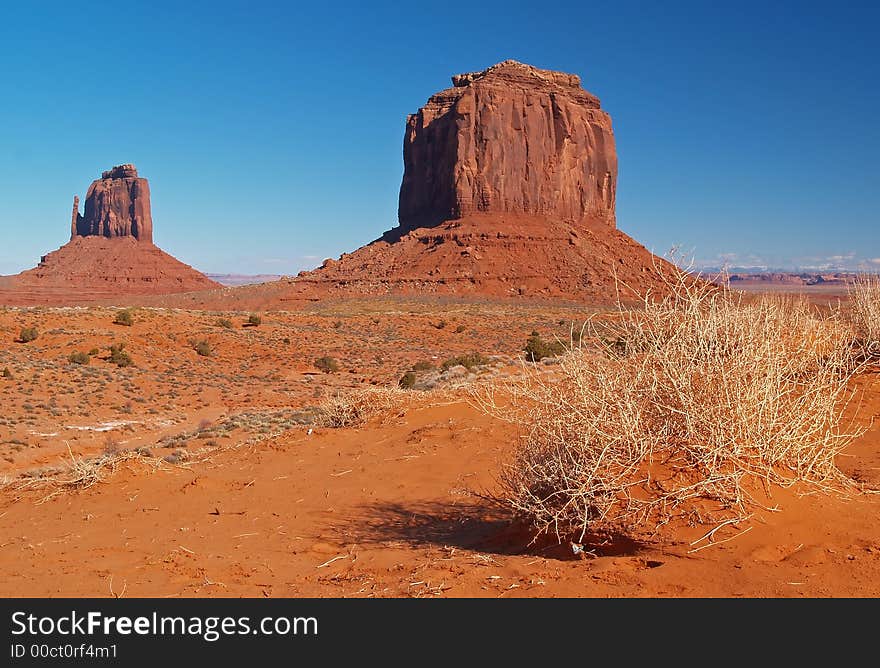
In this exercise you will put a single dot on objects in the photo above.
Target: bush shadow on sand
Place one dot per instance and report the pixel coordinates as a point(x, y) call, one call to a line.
point(476, 526)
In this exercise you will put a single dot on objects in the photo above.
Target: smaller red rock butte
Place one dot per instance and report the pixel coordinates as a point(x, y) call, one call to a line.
point(110, 254)
point(117, 205)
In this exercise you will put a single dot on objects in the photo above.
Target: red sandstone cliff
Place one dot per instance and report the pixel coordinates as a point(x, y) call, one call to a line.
point(508, 140)
point(117, 205)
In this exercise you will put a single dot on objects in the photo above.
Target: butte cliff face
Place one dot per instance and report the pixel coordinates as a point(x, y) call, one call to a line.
point(510, 139)
point(117, 205)
point(110, 255)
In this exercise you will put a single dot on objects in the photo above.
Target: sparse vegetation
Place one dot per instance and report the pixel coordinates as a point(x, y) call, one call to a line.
point(203, 348)
point(119, 357)
point(7, 373)
point(407, 380)
point(469, 361)
point(537, 348)
point(422, 366)
point(707, 393)
point(28, 334)
point(356, 407)
point(125, 318)
point(864, 296)
point(254, 320)
point(460, 329)
point(78, 357)
point(225, 323)
point(327, 364)
point(111, 446)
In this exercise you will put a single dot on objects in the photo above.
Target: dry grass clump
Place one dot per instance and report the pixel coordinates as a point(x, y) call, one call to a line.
point(688, 397)
point(468, 361)
point(864, 296)
point(349, 409)
point(80, 472)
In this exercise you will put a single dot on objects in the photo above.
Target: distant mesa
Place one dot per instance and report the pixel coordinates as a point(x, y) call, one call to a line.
point(232, 280)
point(110, 253)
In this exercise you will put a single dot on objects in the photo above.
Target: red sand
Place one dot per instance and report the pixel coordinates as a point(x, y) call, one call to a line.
point(381, 510)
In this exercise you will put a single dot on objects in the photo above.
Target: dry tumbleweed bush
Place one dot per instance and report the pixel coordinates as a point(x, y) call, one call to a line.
point(864, 297)
point(686, 398)
point(353, 408)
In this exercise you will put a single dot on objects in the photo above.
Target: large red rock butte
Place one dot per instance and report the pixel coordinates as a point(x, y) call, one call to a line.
point(110, 256)
point(509, 139)
point(509, 188)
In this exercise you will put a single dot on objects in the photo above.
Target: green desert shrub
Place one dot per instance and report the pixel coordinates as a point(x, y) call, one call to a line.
point(537, 348)
point(468, 361)
point(407, 380)
point(125, 318)
point(28, 334)
point(78, 357)
point(119, 357)
point(254, 320)
point(327, 364)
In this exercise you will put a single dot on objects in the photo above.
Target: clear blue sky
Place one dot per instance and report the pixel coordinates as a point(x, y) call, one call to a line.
point(272, 135)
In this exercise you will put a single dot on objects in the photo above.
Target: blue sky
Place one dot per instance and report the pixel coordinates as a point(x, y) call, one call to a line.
point(272, 135)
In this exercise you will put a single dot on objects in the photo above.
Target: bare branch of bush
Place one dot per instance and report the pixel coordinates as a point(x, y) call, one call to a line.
point(349, 409)
point(864, 312)
point(79, 473)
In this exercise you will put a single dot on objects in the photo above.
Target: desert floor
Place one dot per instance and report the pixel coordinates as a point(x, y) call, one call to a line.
point(219, 482)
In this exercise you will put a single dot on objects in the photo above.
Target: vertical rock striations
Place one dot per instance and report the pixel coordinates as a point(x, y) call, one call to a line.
point(117, 205)
point(511, 139)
